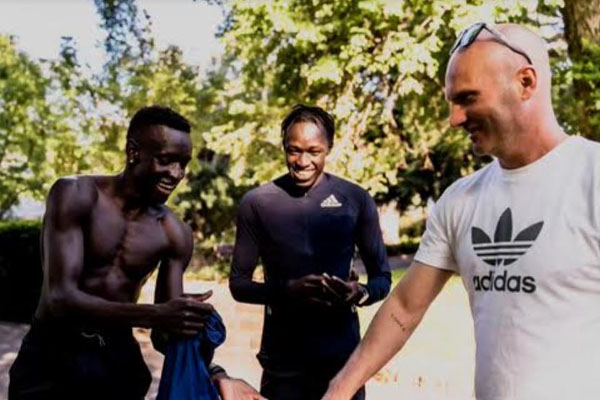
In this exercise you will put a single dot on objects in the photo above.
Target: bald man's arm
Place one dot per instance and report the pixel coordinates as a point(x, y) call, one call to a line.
point(391, 327)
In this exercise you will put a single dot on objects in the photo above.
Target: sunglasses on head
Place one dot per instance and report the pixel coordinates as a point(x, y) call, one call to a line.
point(469, 35)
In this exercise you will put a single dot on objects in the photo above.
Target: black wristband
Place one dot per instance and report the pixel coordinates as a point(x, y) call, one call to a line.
point(214, 369)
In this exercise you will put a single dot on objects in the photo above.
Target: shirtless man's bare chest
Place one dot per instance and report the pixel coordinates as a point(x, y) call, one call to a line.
point(121, 248)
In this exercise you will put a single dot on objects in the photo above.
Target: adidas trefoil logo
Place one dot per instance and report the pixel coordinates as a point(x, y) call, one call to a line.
point(330, 202)
point(504, 250)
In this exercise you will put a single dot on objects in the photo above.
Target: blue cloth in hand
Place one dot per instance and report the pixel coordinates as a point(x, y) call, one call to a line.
point(185, 369)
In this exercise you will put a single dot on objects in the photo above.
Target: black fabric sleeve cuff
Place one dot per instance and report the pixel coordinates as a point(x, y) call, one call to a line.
point(378, 288)
point(214, 369)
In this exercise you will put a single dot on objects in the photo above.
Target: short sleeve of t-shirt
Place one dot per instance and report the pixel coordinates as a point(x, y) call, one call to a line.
point(435, 248)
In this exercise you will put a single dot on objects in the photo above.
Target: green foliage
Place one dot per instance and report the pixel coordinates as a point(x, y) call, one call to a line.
point(377, 65)
point(379, 70)
point(14, 230)
point(128, 34)
point(24, 127)
point(407, 245)
point(20, 269)
point(577, 92)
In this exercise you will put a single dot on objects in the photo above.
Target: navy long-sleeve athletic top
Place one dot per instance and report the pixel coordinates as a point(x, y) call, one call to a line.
point(296, 234)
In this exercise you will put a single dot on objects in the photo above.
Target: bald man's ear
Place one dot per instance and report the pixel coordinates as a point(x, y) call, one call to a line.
point(528, 82)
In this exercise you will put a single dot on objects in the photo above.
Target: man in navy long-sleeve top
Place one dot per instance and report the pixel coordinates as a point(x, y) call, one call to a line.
point(304, 227)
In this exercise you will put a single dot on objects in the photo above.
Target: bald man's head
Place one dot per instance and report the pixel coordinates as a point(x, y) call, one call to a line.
point(534, 46)
point(495, 92)
point(498, 84)
point(521, 39)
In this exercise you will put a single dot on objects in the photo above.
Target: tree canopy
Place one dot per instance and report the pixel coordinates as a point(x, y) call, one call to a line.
point(377, 65)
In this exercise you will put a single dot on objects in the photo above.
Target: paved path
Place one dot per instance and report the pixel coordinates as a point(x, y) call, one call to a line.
point(10, 340)
point(436, 364)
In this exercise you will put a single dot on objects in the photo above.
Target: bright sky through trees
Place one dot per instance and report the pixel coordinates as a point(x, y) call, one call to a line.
point(39, 25)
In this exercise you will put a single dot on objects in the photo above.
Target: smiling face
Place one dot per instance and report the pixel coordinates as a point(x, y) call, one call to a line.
point(483, 99)
point(306, 147)
point(159, 161)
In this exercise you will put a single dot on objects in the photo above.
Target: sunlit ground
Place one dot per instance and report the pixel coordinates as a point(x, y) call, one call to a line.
point(438, 360)
point(436, 364)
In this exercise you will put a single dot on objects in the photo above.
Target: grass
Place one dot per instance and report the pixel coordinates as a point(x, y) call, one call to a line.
point(397, 274)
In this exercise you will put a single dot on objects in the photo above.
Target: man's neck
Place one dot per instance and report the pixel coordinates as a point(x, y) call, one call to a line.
point(127, 194)
point(532, 147)
point(297, 190)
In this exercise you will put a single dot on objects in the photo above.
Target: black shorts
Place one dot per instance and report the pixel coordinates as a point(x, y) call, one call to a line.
point(60, 362)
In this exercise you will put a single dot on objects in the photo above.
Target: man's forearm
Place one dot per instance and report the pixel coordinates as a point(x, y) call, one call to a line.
point(247, 291)
point(391, 327)
point(96, 310)
point(388, 332)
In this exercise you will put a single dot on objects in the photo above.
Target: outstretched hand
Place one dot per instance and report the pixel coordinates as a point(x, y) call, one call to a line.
point(236, 389)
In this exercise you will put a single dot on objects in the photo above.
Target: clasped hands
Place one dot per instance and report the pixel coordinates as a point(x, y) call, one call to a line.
point(325, 290)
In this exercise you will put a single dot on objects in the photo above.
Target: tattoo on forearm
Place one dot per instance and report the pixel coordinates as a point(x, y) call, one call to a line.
point(399, 323)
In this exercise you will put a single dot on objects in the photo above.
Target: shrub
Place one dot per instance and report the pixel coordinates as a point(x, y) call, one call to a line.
point(20, 269)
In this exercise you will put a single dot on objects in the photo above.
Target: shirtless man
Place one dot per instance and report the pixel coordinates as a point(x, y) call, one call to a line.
point(102, 238)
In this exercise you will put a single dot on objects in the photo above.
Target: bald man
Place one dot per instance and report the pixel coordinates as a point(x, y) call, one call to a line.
point(523, 233)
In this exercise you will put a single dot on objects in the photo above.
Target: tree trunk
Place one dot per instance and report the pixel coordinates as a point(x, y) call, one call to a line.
point(582, 22)
point(582, 33)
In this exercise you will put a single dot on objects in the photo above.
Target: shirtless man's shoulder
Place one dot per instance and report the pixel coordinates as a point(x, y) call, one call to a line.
point(76, 197)
point(178, 232)
point(72, 196)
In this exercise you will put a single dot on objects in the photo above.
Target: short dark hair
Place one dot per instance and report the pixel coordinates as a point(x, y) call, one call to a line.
point(314, 114)
point(157, 115)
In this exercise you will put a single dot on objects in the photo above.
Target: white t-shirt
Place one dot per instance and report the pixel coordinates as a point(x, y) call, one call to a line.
point(526, 243)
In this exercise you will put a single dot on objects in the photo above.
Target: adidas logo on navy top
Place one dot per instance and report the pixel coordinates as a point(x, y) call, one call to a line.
point(504, 250)
point(331, 201)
